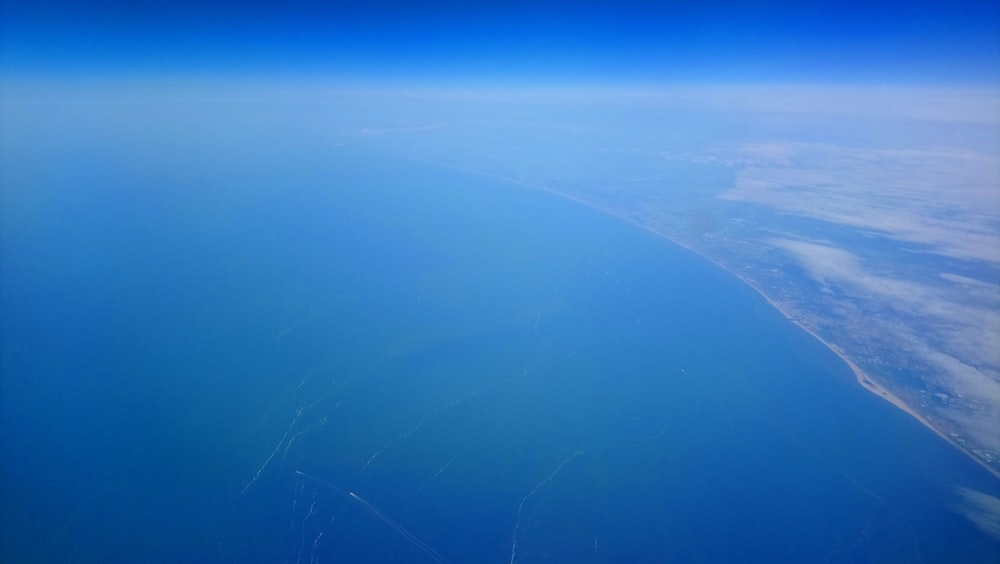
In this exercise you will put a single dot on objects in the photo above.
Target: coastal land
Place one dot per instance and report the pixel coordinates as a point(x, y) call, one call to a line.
point(864, 378)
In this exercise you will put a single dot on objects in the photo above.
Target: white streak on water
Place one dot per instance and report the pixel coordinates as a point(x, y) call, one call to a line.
point(399, 528)
point(535, 490)
point(288, 447)
point(298, 413)
point(405, 435)
point(428, 482)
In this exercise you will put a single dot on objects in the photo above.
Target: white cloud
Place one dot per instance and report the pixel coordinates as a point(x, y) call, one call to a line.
point(954, 341)
point(983, 510)
point(946, 200)
point(829, 264)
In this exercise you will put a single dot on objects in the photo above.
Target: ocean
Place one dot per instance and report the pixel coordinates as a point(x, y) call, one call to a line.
point(222, 349)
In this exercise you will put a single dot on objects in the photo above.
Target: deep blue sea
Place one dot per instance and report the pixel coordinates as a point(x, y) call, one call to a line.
point(222, 349)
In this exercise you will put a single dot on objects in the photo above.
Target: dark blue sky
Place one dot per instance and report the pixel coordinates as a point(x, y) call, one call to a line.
point(623, 41)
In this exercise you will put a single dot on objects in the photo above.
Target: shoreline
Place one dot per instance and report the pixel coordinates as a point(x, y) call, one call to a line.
point(863, 379)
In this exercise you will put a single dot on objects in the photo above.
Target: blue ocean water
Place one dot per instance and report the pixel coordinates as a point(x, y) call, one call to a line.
point(264, 350)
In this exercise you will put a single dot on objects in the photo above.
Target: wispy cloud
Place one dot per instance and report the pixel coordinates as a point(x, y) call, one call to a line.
point(947, 201)
point(983, 510)
point(931, 322)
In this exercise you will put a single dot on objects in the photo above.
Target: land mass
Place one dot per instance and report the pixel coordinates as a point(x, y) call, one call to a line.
point(864, 379)
point(867, 381)
point(659, 224)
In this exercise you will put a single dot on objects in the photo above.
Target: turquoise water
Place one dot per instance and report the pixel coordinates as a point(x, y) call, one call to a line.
point(329, 354)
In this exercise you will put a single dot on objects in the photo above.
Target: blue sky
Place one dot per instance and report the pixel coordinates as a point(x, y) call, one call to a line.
point(516, 41)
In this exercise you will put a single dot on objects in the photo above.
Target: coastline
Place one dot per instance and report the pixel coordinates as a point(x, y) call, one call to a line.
point(868, 383)
point(863, 379)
